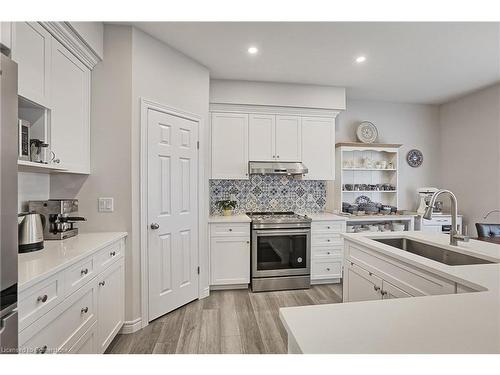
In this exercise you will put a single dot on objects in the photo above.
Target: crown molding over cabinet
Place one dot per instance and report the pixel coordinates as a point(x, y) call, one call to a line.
point(67, 36)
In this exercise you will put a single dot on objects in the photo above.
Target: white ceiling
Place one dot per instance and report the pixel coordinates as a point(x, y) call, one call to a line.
point(406, 62)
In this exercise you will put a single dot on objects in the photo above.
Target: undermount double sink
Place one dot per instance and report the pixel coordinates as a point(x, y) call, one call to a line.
point(438, 254)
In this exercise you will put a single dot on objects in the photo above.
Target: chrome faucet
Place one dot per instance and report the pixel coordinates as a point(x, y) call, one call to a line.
point(455, 235)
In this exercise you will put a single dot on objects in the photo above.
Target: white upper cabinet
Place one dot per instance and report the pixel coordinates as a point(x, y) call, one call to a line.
point(288, 138)
point(6, 34)
point(229, 132)
point(32, 51)
point(261, 137)
point(318, 147)
point(70, 115)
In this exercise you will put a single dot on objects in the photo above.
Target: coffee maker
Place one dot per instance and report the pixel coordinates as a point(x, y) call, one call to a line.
point(60, 217)
point(424, 196)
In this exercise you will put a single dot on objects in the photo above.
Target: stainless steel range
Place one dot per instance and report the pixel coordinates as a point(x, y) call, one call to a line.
point(281, 251)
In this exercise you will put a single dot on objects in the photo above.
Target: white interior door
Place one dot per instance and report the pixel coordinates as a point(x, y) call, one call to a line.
point(172, 212)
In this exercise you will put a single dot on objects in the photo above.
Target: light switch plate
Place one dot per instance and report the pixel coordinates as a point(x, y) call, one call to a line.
point(106, 205)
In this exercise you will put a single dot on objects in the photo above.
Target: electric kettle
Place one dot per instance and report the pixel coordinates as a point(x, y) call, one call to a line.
point(30, 231)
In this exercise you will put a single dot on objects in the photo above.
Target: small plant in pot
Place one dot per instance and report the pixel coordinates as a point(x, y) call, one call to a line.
point(226, 206)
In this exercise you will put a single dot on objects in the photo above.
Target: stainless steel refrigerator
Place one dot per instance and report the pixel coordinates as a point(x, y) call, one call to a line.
point(8, 205)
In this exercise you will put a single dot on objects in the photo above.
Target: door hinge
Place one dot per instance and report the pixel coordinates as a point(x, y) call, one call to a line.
point(198, 269)
point(198, 145)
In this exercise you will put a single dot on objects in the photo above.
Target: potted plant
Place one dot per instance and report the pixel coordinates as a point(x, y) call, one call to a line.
point(227, 206)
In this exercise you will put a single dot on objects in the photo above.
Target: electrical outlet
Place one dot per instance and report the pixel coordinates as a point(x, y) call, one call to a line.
point(106, 205)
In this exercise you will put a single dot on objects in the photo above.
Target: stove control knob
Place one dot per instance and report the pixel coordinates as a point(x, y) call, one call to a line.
point(299, 260)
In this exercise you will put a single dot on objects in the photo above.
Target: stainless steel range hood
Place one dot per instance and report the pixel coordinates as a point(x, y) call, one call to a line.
point(272, 167)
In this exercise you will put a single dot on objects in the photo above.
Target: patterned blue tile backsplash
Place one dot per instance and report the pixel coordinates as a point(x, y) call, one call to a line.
point(270, 193)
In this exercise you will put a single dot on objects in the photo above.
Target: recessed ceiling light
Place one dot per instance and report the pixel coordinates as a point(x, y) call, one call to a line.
point(360, 59)
point(253, 50)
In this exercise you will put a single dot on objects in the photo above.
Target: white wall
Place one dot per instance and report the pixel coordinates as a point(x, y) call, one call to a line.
point(31, 187)
point(470, 153)
point(276, 94)
point(413, 125)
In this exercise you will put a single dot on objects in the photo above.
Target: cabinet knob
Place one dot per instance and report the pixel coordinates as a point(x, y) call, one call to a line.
point(85, 310)
point(328, 269)
point(376, 288)
point(277, 156)
point(328, 240)
point(329, 227)
point(41, 349)
point(84, 271)
point(155, 226)
point(42, 298)
point(383, 292)
point(113, 253)
point(102, 283)
point(328, 252)
point(230, 229)
point(248, 241)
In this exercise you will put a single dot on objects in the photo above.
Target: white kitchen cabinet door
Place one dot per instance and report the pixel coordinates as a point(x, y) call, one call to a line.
point(70, 115)
point(288, 138)
point(110, 304)
point(318, 147)
point(362, 286)
point(390, 291)
point(229, 146)
point(229, 260)
point(31, 49)
point(432, 228)
point(261, 137)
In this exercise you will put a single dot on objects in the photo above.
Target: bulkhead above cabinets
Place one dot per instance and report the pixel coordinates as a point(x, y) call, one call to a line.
point(240, 134)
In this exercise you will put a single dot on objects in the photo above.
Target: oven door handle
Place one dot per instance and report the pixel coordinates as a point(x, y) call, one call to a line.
point(277, 232)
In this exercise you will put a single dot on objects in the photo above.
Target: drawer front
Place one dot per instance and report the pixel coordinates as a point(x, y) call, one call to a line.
point(326, 269)
point(39, 299)
point(326, 240)
point(231, 229)
point(60, 329)
point(327, 251)
point(437, 221)
point(79, 274)
point(413, 280)
point(328, 227)
point(109, 255)
point(87, 344)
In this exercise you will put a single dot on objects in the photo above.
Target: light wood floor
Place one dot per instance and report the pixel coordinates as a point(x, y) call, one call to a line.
point(230, 321)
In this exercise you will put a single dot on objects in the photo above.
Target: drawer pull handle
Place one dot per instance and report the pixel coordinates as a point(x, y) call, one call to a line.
point(85, 310)
point(102, 283)
point(113, 253)
point(383, 292)
point(41, 349)
point(248, 241)
point(328, 252)
point(328, 240)
point(328, 269)
point(376, 288)
point(230, 229)
point(42, 298)
point(369, 273)
point(84, 271)
point(329, 227)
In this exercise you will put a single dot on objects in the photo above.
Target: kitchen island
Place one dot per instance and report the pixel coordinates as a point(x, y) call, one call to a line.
point(449, 309)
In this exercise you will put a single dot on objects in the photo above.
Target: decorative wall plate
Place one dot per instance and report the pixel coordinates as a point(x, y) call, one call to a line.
point(367, 132)
point(415, 158)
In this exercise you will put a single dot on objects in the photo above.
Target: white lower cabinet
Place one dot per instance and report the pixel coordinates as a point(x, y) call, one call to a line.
point(370, 275)
point(110, 302)
point(229, 254)
point(82, 320)
point(326, 251)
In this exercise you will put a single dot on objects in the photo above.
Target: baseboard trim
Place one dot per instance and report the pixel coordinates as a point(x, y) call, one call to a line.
point(205, 293)
point(325, 281)
point(229, 287)
point(131, 326)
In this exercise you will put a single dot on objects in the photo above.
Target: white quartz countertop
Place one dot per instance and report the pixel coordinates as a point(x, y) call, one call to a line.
point(241, 218)
point(57, 255)
point(326, 216)
point(455, 323)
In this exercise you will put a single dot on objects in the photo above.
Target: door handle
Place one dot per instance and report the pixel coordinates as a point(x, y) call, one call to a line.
point(155, 226)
